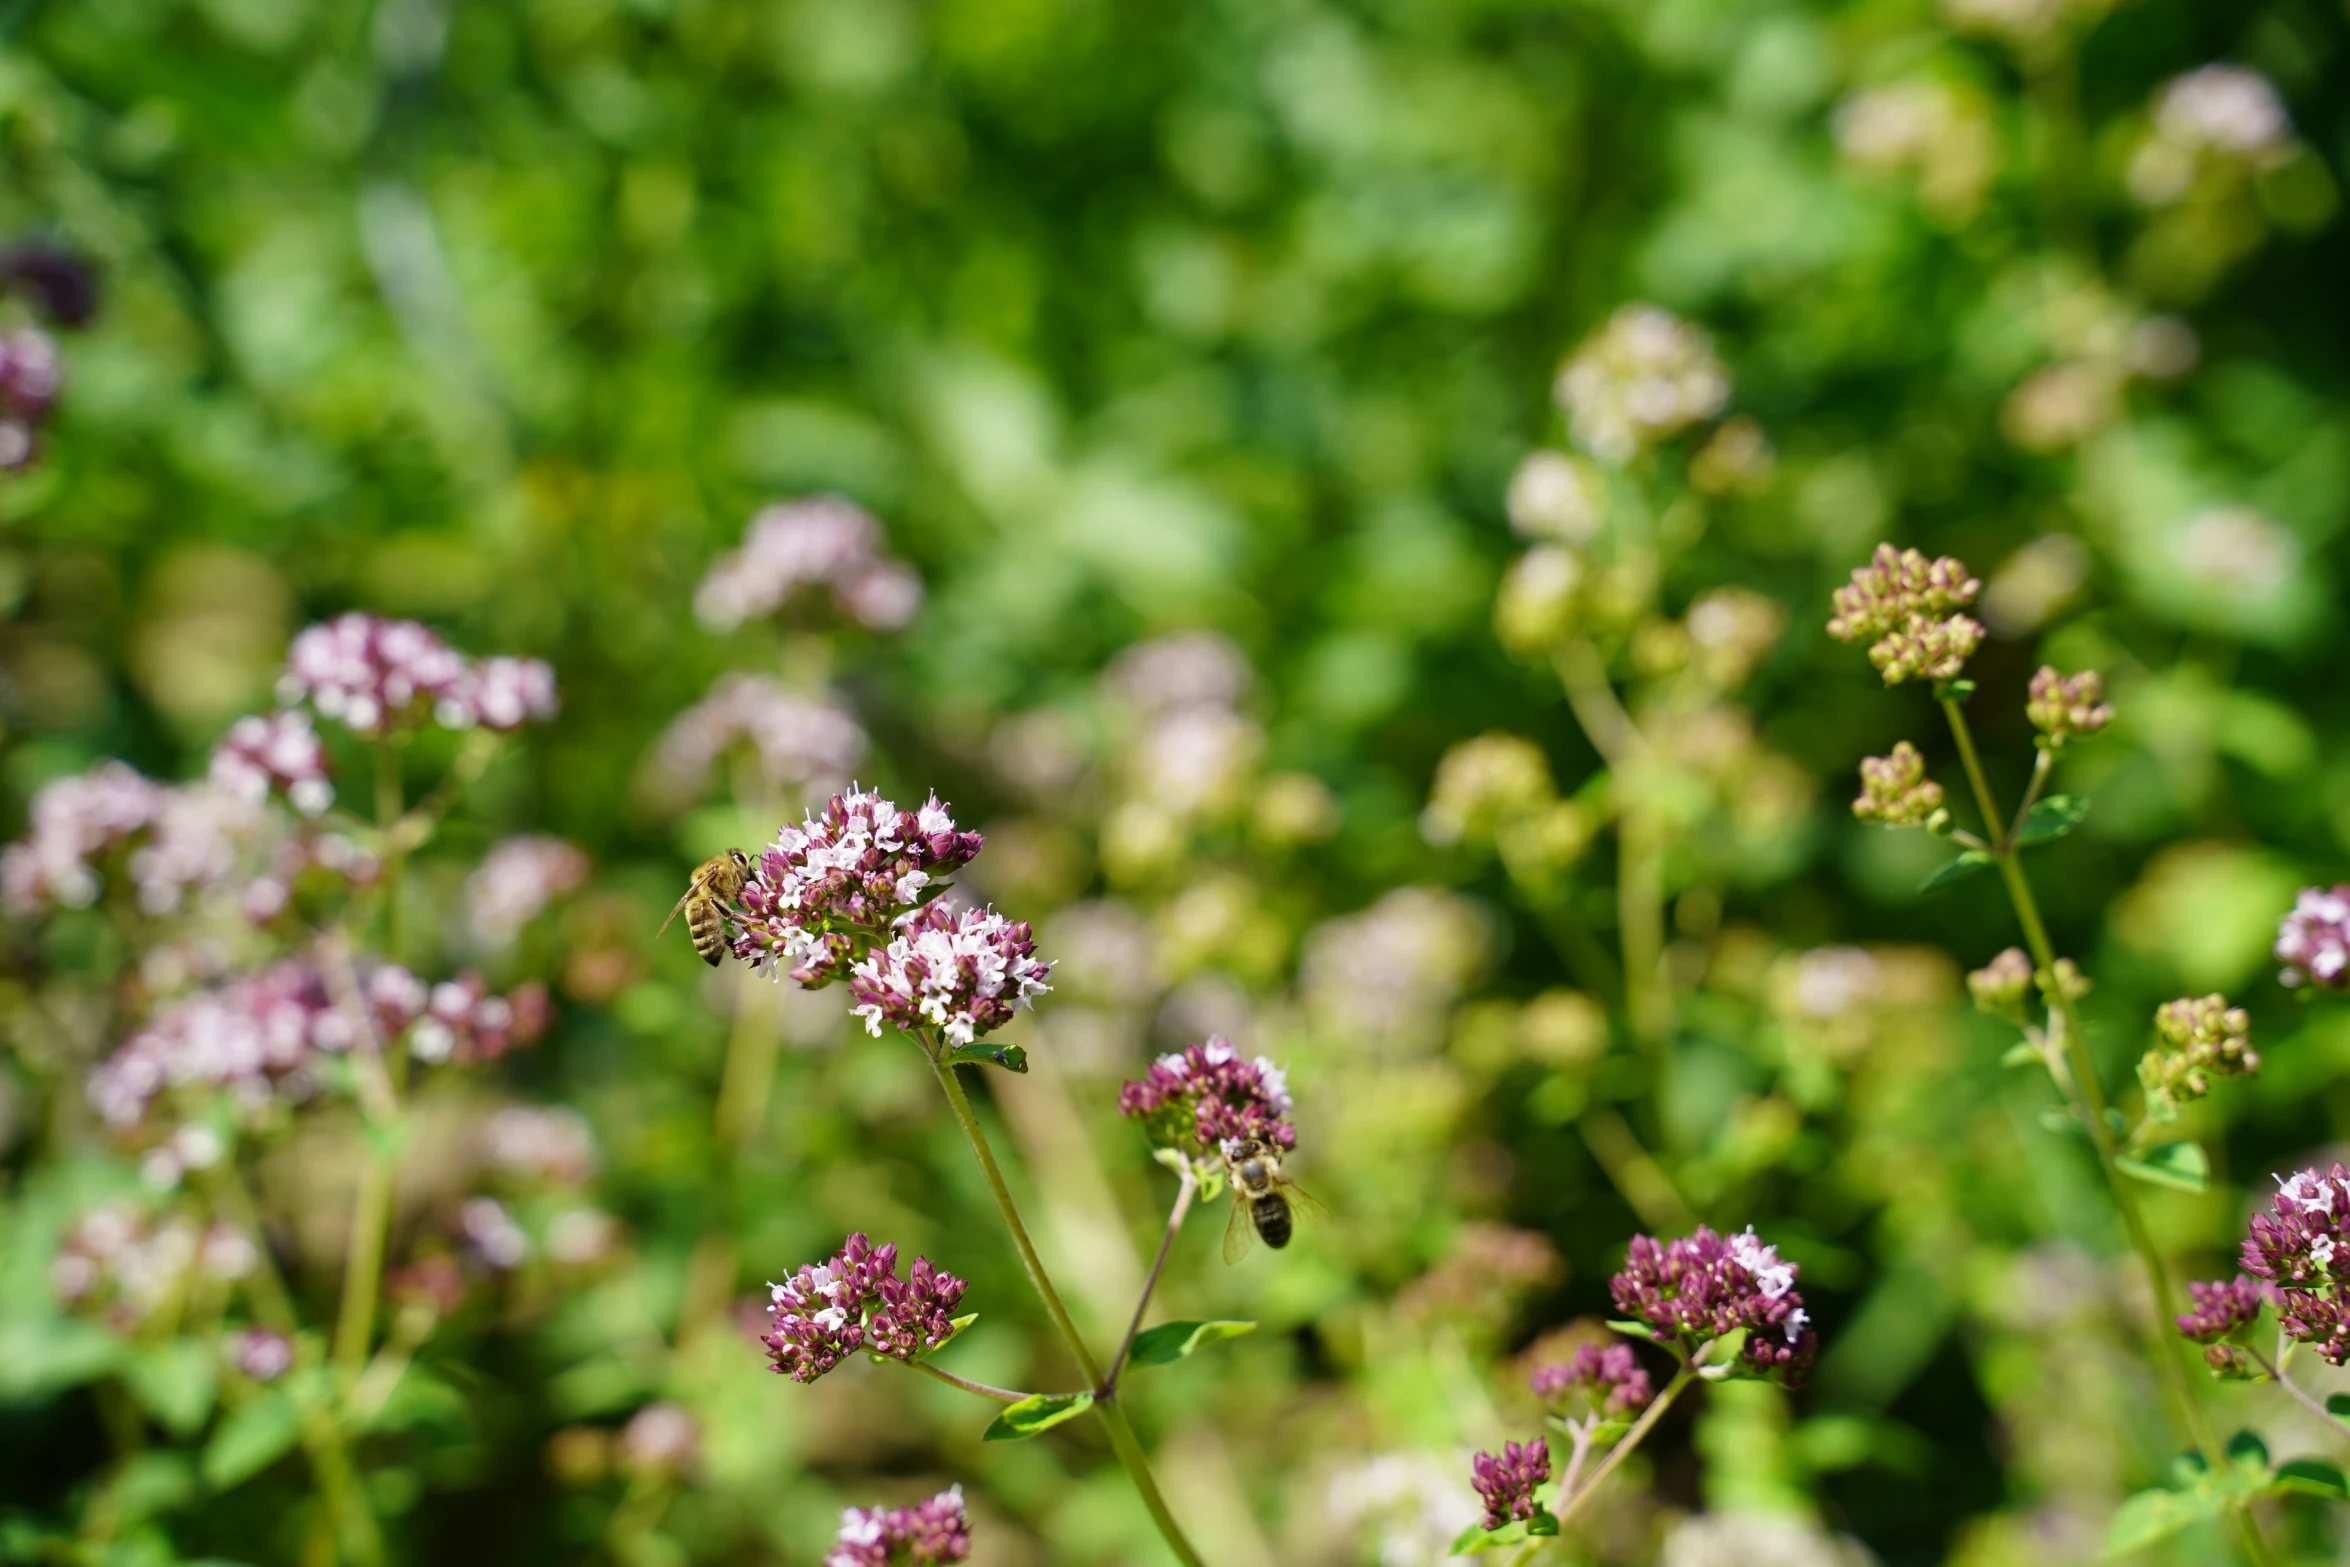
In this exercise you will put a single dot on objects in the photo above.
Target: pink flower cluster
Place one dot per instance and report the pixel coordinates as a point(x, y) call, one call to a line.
point(930, 1533)
point(123, 1264)
point(2221, 1307)
point(258, 1037)
point(280, 751)
point(823, 541)
point(1198, 1097)
point(183, 840)
point(823, 892)
point(1600, 1379)
point(30, 374)
point(375, 676)
point(2294, 1247)
point(1905, 607)
point(1506, 1483)
point(963, 974)
point(2313, 943)
point(1705, 1285)
point(799, 741)
point(516, 880)
point(260, 1353)
point(855, 1301)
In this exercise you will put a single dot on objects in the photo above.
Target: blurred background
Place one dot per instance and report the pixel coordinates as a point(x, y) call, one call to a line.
point(1186, 355)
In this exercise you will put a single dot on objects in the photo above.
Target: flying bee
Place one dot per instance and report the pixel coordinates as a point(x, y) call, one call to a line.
point(717, 882)
point(1264, 1201)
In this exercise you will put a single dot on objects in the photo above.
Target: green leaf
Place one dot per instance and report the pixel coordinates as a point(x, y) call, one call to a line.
point(2183, 1167)
point(2311, 1477)
point(1172, 1341)
point(2023, 1053)
point(1012, 1058)
point(1476, 1539)
point(1542, 1524)
point(2153, 1515)
point(2051, 818)
point(1639, 1330)
point(2246, 1446)
point(2338, 1405)
point(250, 1440)
point(954, 1332)
point(1953, 690)
point(1966, 864)
point(1030, 1416)
point(175, 1382)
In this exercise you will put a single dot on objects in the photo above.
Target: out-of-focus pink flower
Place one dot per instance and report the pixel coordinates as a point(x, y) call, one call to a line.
point(279, 751)
point(2313, 943)
point(517, 879)
point(800, 742)
point(825, 542)
point(375, 675)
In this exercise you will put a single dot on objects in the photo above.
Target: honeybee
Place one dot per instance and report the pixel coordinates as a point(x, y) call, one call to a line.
point(717, 882)
point(1264, 1201)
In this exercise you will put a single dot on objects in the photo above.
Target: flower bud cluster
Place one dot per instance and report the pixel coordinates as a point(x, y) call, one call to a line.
point(123, 1265)
point(1895, 790)
point(1698, 1288)
point(1598, 1379)
point(1541, 599)
point(931, 1532)
point(829, 1311)
point(1197, 1098)
point(824, 541)
point(2000, 986)
point(30, 375)
point(2294, 1247)
point(1639, 380)
point(2201, 1036)
point(1486, 787)
point(2221, 1307)
point(280, 751)
point(2060, 708)
point(825, 891)
point(1505, 1483)
point(1905, 607)
point(378, 676)
point(963, 974)
point(1730, 630)
point(2313, 943)
point(258, 1037)
point(1942, 136)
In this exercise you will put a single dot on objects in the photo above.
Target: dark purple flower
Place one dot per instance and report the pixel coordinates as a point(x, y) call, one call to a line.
point(1698, 1288)
point(828, 1311)
point(2313, 943)
point(1506, 1484)
point(1200, 1096)
point(30, 374)
point(2221, 1307)
point(61, 283)
point(2294, 1246)
point(1604, 1379)
point(930, 1533)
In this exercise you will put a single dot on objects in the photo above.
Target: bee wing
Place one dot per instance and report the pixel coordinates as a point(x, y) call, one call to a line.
point(1304, 1206)
point(1240, 1231)
point(676, 909)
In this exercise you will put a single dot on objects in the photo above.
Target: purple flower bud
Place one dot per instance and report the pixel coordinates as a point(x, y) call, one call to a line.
point(2221, 1307)
point(1604, 1379)
point(1704, 1286)
point(2000, 986)
point(932, 1532)
point(1204, 1094)
point(261, 1354)
point(1895, 790)
point(1905, 607)
point(2313, 943)
point(1506, 1484)
point(828, 1311)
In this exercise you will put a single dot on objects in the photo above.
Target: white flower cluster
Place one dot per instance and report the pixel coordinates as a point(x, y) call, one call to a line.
point(1929, 130)
point(2221, 118)
point(1640, 379)
point(516, 880)
point(1195, 752)
point(823, 541)
point(962, 974)
point(277, 751)
point(1555, 496)
point(1772, 1278)
point(800, 742)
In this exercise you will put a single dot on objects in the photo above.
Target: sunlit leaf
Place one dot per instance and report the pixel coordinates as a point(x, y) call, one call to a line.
point(1969, 862)
point(1012, 1058)
point(1031, 1416)
point(1172, 1341)
point(251, 1439)
point(2151, 1516)
point(2182, 1167)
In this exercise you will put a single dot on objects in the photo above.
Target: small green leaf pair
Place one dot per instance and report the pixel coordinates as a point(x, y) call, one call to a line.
point(2047, 821)
point(1476, 1539)
point(2202, 1496)
point(2182, 1167)
point(1161, 1346)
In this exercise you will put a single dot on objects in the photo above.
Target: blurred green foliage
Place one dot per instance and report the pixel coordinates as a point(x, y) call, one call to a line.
point(1132, 320)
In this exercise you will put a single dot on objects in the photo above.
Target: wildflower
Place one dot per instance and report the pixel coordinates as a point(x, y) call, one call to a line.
point(962, 974)
point(1484, 785)
point(798, 741)
point(1386, 975)
point(1539, 600)
point(1554, 496)
point(1181, 670)
point(2060, 708)
point(1943, 136)
point(1196, 1098)
point(2204, 1035)
point(1196, 761)
point(1999, 987)
point(828, 1311)
point(1703, 1286)
point(1639, 380)
point(1506, 1483)
point(517, 879)
point(1905, 607)
point(931, 1532)
point(501, 693)
point(824, 541)
point(1730, 630)
point(1602, 1379)
point(280, 751)
point(1895, 790)
point(260, 1353)
point(2220, 118)
point(2293, 1247)
point(2221, 1307)
point(125, 1265)
point(825, 891)
point(378, 676)
point(489, 1231)
point(546, 1143)
point(30, 375)
point(74, 820)
point(661, 1438)
point(2313, 943)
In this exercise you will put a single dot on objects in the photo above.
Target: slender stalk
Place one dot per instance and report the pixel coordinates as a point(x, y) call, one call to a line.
point(1632, 1438)
point(2300, 1394)
point(1581, 1437)
point(2091, 1110)
point(1640, 896)
point(1175, 1215)
point(1122, 1438)
point(743, 1088)
point(1002, 1395)
point(371, 1211)
point(1634, 1172)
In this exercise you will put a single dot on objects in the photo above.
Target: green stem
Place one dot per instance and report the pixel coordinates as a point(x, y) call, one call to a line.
point(1175, 1215)
point(1632, 1438)
point(2301, 1395)
point(371, 1212)
point(2187, 1405)
point(1122, 1438)
point(1002, 1395)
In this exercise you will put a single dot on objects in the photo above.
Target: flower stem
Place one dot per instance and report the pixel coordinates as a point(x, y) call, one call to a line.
point(1632, 1438)
point(1122, 1437)
point(1175, 1215)
point(2301, 1395)
point(1002, 1395)
point(371, 1212)
point(2089, 1106)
